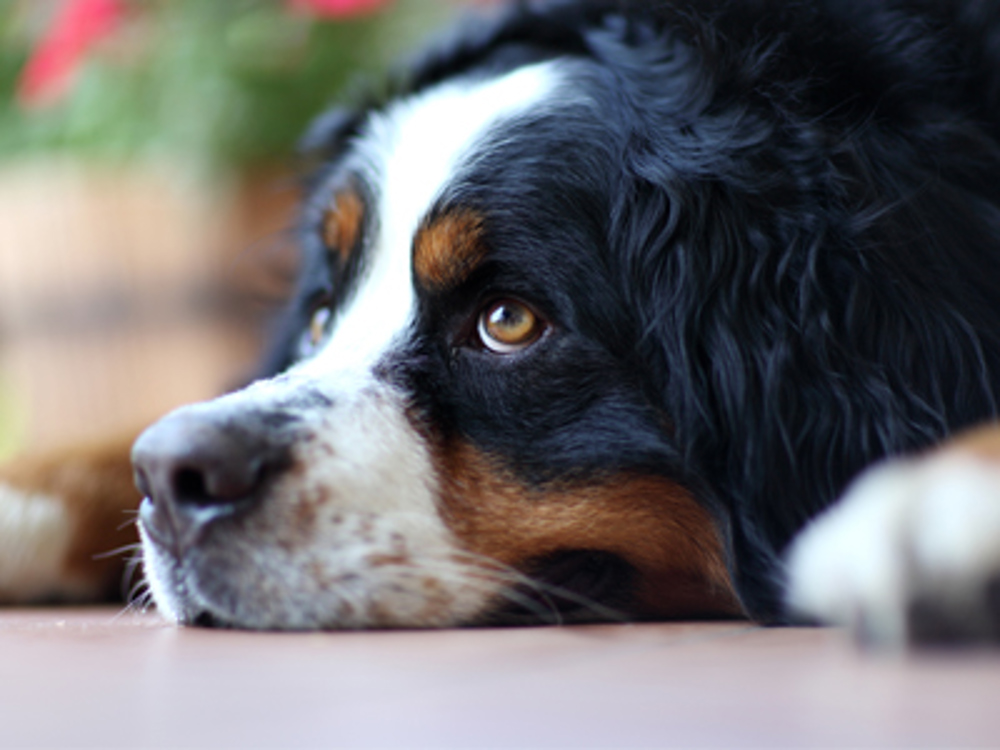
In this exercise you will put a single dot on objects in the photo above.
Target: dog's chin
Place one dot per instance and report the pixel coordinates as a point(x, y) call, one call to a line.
point(577, 586)
point(173, 586)
point(225, 580)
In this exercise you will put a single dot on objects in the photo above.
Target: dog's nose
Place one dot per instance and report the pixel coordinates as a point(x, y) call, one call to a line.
point(195, 466)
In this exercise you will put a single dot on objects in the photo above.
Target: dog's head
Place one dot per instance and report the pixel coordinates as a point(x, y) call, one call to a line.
point(463, 430)
point(593, 315)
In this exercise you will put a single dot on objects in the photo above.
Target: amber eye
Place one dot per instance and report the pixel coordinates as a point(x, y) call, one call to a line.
point(316, 333)
point(508, 326)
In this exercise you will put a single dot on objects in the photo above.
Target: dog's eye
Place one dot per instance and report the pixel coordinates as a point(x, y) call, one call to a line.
point(508, 326)
point(316, 332)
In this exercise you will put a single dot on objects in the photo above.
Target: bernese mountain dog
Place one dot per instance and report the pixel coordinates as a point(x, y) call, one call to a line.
point(603, 308)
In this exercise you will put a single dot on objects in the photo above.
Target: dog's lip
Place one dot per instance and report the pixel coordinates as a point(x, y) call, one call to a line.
point(572, 586)
point(204, 618)
point(181, 578)
point(593, 574)
point(178, 535)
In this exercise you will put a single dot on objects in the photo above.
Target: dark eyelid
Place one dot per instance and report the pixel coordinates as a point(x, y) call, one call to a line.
point(320, 297)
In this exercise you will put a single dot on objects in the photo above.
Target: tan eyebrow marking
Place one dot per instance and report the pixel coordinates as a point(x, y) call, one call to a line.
point(342, 223)
point(448, 248)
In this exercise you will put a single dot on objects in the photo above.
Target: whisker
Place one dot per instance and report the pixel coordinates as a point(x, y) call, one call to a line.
point(545, 610)
point(133, 588)
point(487, 577)
point(128, 522)
point(496, 579)
point(137, 592)
point(133, 547)
point(138, 605)
point(545, 590)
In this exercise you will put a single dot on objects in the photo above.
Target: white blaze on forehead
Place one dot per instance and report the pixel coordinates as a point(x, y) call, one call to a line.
point(408, 154)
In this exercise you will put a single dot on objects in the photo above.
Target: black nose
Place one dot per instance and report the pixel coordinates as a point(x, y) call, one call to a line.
point(197, 465)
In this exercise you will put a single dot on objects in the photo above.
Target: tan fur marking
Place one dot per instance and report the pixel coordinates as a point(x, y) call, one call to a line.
point(448, 249)
point(651, 523)
point(983, 442)
point(94, 484)
point(342, 223)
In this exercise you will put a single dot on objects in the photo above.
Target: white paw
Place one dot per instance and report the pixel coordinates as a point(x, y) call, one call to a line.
point(911, 553)
point(35, 539)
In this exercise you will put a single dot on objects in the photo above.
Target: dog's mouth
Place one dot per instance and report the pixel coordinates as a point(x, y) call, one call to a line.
point(205, 619)
point(570, 586)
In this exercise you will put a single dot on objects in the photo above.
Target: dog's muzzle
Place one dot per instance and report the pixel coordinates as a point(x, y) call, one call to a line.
point(284, 506)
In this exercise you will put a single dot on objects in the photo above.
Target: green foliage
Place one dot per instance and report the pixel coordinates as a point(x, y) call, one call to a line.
point(217, 82)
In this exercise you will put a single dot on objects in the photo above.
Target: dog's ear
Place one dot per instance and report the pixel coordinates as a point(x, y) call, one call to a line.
point(790, 325)
point(326, 136)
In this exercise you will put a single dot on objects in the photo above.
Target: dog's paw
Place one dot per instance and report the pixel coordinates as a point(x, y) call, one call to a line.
point(65, 523)
point(35, 537)
point(910, 554)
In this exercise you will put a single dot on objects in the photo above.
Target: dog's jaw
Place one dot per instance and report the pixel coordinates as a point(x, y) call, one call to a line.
point(353, 535)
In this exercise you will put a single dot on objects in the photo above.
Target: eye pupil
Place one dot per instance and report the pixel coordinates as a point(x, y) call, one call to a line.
point(508, 326)
point(508, 318)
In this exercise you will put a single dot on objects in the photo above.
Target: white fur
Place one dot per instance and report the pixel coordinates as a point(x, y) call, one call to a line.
point(35, 535)
point(906, 529)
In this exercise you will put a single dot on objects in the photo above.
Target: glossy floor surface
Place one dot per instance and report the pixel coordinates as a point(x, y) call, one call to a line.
point(89, 678)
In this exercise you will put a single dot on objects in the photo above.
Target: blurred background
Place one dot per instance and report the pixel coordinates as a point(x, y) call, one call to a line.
point(147, 188)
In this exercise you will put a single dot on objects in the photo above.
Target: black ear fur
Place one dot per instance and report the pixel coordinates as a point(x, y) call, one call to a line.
point(326, 139)
point(816, 293)
point(328, 132)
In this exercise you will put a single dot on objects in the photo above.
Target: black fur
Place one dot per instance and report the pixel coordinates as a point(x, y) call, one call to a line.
point(770, 249)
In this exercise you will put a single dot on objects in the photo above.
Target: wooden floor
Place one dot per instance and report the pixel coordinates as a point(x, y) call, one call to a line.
point(86, 678)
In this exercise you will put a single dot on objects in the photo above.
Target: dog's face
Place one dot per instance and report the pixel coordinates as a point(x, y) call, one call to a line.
point(464, 434)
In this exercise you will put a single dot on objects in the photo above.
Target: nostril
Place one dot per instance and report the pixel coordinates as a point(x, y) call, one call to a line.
point(221, 480)
point(189, 487)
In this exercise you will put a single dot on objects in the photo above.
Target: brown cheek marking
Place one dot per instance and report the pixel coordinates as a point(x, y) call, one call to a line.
point(448, 249)
point(651, 523)
point(342, 223)
point(94, 483)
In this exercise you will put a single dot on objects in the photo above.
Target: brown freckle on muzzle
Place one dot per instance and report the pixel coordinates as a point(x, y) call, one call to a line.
point(651, 523)
point(342, 223)
point(448, 248)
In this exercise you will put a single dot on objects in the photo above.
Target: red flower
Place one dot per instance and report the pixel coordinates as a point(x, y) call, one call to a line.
point(337, 8)
point(77, 26)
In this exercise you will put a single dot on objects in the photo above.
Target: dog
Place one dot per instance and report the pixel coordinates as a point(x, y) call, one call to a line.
point(604, 309)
